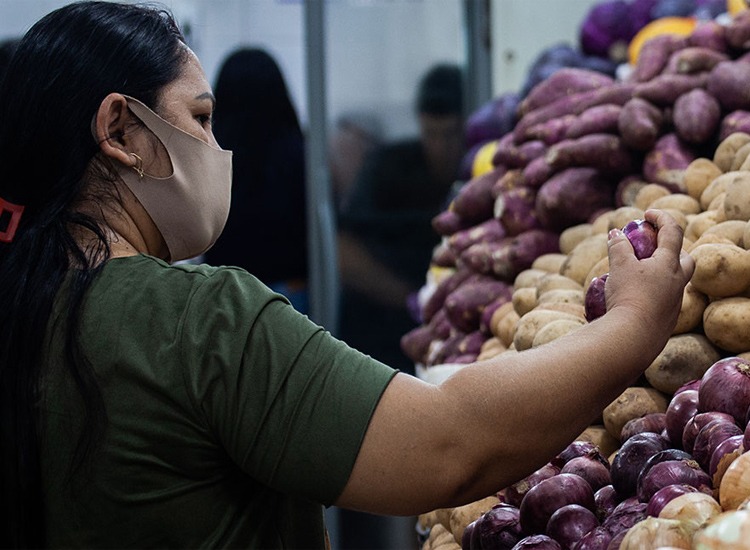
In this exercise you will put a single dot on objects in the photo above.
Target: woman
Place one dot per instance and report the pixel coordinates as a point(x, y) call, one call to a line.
point(256, 119)
point(149, 404)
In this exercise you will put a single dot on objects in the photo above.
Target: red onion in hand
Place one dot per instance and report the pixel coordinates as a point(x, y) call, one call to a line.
point(725, 387)
point(642, 235)
point(595, 303)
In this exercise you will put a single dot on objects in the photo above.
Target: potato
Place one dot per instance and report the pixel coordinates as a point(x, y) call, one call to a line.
point(555, 280)
point(439, 535)
point(740, 157)
point(599, 436)
point(505, 329)
point(726, 322)
point(524, 300)
point(707, 238)
point(737, 198)
point(549, 262)
point(461, 516)
point(726, 150)
point(529, 324)
point(561, 296)
point(677, 201)
point(583, 257)
point(443, 518)
point(721, 270)
point(717, 186)
point(648, 194)
point(732, 230)
point(620, 217)
point(573, 235)
point(685, 357)
point(556, 329)
point(699, 174)
point(746, 237)
point(427, 520)
point(529, 277)
point(694, 303)
point(634, 402)
point(698, 223)
point(577, 310)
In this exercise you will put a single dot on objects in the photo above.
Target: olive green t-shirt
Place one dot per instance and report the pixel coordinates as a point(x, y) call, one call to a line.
point(231, 418)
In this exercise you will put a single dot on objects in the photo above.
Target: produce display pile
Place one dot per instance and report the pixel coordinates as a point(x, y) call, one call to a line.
point(523, 254)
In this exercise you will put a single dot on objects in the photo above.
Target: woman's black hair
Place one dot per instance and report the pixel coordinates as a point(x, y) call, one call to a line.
point(62, 69)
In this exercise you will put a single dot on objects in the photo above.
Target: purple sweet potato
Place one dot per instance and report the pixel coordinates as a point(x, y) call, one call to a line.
point(605, 152)
point(694, 59)
point(599, 119)
point(511, 179)
point(514, 155)
point(474, 201)
point(627, 189)
point(521, 251)
point(551, 131)
point(435, 301)
point(640, 124)
point(486, 319)
point(696, 116)
point(617, 93)
point(537, 172)
point(666, 162)
point(416, 343)
point(563, 82)
point(664, 89)
point(571, 196)
point(440, 325)
point(488, 230)
point(448, 222)
point(728, 82)
point(737, 32)
point(443, 256)
point(478, 257)
point(464, 306)
point(654, 56)
point(709, 34)
point(514, 209)
point(736, 121)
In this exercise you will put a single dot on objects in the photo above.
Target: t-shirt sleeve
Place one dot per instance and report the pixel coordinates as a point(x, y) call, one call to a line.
point(289, 403)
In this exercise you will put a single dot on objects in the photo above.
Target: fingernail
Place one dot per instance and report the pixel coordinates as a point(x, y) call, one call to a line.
point(613, 233)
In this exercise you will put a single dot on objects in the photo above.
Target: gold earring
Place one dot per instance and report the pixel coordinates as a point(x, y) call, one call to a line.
point(138, 166)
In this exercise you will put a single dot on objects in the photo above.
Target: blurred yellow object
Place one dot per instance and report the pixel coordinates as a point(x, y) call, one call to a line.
point(679, 26)
point(736, 6)
point(483, 159)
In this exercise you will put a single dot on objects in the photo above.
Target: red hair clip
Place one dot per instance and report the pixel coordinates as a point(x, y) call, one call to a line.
point(15, 211)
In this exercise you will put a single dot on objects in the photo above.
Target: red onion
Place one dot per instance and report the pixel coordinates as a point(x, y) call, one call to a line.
point(725, 387)
point(746, 438)
point(652, 422)
point(663, 456)
point(617, 539)
point(499, 527)
point(595, 304)
point(550, 495)
point(537, 542)
point(625, 516)
point(682, 408)
point(709, 437)
point(691, 385)
point(470, 538)
point(596, 539)
point(590, 469)
point(673, 472)
point(578, 448)
point(695, 424)
point(514, 493)
point(642, 235)
point(664, 495)
point(570, 523)
point(631, 457)
point(727, 446)
point(605, 500)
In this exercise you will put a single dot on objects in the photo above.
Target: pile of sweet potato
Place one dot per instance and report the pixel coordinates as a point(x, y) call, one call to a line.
point(584, 148)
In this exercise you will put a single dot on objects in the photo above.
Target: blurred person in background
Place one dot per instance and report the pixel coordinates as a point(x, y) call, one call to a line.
point(385, 232)
point(266, 232)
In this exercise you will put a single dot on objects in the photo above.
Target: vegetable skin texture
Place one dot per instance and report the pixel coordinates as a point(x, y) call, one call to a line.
point(727, 82)
point(685, 357)
point(694, 59)
point(604, 152)
point(512, 155)
point(473, 203)
point(726, 322)
point(697, 115)
point(721, 270)
point(654, 55)
point(600, 119)
point(667, 161)
point(663, 90)
point(634, 402)
point(562, 83)
point(639, 124)
point(736, 121)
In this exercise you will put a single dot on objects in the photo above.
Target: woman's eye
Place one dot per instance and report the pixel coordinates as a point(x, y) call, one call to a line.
point(204, 119)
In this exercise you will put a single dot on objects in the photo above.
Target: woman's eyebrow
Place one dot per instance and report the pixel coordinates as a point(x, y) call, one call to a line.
point(209, 96)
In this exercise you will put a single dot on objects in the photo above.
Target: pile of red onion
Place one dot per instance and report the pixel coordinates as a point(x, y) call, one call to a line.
point(579, 501)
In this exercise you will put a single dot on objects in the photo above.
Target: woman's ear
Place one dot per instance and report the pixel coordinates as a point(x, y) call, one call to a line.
point(110, 123)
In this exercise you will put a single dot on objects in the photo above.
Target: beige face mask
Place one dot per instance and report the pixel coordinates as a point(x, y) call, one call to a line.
point(191, 206)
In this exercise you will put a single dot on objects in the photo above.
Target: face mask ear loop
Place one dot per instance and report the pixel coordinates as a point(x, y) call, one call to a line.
point(138, 166)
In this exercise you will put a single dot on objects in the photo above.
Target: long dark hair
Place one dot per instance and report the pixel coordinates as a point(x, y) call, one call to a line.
point(256, 119)
point(62, 69)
